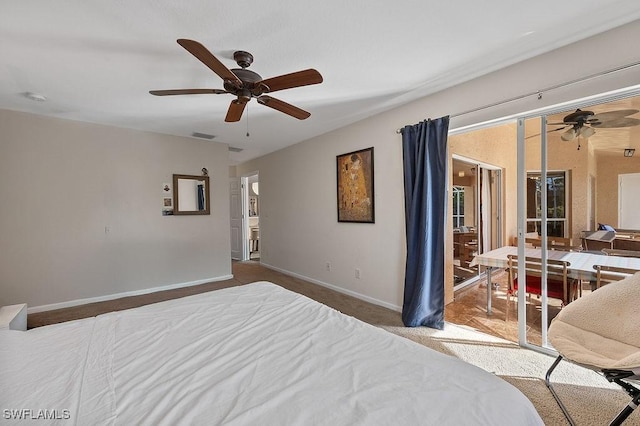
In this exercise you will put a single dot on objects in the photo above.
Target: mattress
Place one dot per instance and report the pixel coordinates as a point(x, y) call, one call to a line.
point(254, 354)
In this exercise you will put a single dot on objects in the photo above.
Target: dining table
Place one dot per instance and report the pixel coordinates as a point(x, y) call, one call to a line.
point(581, 263)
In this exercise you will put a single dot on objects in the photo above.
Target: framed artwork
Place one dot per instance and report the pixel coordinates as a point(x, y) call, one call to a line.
point(355, 186)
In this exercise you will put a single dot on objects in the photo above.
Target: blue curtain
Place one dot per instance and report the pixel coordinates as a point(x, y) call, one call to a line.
point(424, 151)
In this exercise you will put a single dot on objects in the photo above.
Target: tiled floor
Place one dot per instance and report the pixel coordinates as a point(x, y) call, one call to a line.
point(470, 308)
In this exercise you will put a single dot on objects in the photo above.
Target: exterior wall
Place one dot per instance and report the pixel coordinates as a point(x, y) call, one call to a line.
point(496, 146)
point(609, 167)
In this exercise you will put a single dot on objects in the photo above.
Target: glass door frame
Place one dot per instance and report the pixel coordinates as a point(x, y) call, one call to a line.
point(522, 229)
point(521, 202)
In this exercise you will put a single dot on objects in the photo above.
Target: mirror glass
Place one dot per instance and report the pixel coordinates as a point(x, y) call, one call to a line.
point(190, 194)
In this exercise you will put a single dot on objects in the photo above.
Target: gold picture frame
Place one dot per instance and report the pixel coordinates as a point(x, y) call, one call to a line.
point(355, 188)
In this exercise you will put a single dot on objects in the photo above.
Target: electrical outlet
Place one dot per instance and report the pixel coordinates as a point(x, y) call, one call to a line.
point(327, 266)
point(357, 273)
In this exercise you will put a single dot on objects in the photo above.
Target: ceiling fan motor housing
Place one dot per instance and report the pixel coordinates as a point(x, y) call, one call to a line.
point(579, 117)
point(249, 80)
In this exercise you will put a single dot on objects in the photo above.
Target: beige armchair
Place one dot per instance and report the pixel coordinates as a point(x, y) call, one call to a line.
point(600, 331)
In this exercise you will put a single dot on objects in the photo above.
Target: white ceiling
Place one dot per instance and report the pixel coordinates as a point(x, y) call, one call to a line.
point(96, 61)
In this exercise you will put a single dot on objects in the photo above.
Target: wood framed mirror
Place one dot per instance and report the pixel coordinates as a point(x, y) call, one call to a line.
point(191, 195)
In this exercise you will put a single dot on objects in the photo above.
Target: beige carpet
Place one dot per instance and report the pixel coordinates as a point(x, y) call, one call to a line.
point(590, 398)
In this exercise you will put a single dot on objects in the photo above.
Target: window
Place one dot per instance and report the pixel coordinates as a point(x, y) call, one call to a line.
point(458, 206)
point(557, 203)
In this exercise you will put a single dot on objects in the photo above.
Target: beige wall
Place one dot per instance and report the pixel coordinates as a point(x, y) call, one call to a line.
point(299, 230)
point(64, 182)
point(609, 167)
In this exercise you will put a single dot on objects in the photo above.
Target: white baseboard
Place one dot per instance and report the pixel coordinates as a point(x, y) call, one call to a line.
point(336, 288)
point(77, 302)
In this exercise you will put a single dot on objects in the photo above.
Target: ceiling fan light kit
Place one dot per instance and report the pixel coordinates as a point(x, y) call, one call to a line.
point(246, 84)
point(587, 132)
point(569, 135)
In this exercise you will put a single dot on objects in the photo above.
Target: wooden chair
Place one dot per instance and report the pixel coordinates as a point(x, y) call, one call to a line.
point(553, 243)
point(621, 253)
point(528, 242)
point(465, 247)
point(609, 274)
point(558, 284)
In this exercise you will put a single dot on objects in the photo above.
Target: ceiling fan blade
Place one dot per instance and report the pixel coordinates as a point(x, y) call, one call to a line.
point(565, 123)
point(612, 115)
point(235, 111)
point(207, 58)
point(617, 122)
point(548, 131)
point(288, 81)
point(187, 92)
point(281, 106)
point(558, 129)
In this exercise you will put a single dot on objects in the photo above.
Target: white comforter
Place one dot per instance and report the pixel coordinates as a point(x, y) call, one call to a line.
point(250, 355)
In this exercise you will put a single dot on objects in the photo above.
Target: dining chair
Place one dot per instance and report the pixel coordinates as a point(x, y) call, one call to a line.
point(608, 274)
point(554, 243)
point(530, 242)
point(559, 286)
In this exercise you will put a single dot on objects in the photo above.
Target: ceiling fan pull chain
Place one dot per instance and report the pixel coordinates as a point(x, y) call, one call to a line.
point(247, 120)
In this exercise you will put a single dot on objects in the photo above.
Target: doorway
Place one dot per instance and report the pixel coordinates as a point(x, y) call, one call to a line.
point(476, 215)
point(252, 213)
point(629, 203)
point(244, 199)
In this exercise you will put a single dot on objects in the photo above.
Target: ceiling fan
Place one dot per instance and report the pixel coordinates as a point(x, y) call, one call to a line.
point(583, 123)
point(245, 84)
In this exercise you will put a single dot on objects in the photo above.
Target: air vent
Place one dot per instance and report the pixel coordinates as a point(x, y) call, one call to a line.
point(202, 135)
point(232, 149)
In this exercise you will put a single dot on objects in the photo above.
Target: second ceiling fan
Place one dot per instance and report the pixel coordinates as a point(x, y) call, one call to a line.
point(245, 84)
point(584, 123)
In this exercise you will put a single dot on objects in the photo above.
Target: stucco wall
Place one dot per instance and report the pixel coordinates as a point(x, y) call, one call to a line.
point(609, 168)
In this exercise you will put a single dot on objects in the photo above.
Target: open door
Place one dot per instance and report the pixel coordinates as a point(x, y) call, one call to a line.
point(476, 216)
point(628, 201)
point(252, 214)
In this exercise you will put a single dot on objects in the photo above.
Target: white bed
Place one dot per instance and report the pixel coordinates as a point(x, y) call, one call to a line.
point(248, 355)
